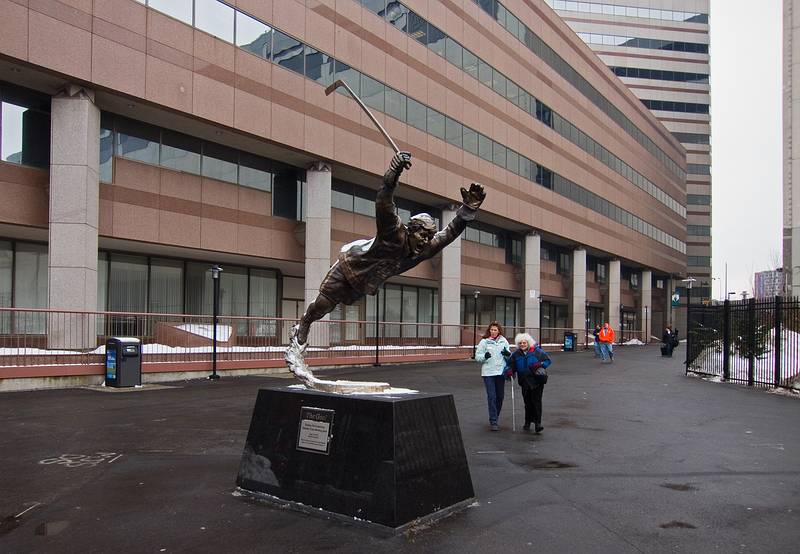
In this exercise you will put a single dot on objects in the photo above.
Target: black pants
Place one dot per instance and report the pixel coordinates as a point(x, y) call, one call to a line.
point(532, 395)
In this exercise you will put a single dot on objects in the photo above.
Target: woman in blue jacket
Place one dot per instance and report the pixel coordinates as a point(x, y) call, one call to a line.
point(492, 352)
point(526, 359)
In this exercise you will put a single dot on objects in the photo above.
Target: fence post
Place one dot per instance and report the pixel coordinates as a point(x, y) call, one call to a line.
point(726, 340)
point(751, 341)
point(777, 343)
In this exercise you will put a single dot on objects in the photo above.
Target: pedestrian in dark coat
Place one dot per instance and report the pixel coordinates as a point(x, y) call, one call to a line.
point(524, 363)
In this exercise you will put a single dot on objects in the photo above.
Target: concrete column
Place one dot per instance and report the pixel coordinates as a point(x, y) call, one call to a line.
point(577, 301)
point(74, 199)
point(317, 243)
point(646, 288)
point(612, 306)
point(450, 285)
point(532, 291)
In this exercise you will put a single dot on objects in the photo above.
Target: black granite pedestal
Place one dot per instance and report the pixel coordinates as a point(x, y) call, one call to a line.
point(389, 460)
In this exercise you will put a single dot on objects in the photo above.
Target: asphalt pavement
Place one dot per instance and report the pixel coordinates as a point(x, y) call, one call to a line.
point(634, 457)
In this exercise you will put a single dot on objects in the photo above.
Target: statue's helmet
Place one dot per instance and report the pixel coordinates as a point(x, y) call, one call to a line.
point(422, 221)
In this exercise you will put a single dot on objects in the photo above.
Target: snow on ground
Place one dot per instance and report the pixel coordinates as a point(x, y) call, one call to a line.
point(207, 331)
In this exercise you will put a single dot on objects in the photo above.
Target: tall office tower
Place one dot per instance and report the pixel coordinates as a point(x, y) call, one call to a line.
point(659, 48)
point(791, 152)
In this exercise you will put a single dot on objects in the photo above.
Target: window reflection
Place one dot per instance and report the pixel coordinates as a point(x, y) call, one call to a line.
point(253, 35)
point(214, 18)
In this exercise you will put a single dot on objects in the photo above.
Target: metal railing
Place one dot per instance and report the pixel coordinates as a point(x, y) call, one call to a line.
point(755, 341)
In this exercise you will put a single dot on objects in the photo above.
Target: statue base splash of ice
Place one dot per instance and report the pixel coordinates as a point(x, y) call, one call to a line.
point(297, 365)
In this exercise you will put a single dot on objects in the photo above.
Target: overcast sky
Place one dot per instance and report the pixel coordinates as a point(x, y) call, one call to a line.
point(746, 144)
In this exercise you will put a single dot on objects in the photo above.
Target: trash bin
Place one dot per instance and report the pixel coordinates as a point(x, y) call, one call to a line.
point(123, 362)
point(569, 341)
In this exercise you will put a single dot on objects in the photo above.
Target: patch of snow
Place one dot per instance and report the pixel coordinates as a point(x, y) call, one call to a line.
point(207, 331)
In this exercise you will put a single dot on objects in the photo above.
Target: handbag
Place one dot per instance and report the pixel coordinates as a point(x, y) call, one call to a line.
point(540, 376)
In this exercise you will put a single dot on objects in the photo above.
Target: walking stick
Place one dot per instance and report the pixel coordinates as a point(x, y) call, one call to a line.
point(513, 407)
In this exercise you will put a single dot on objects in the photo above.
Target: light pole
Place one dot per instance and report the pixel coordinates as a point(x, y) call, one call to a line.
point(475, 295)
point(377, 328)
point(688, 281)
point(215, 271)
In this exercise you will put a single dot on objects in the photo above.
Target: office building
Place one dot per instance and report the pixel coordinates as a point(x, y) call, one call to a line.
point(143, 142)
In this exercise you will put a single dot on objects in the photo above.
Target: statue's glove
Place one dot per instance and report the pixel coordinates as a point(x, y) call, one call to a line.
point(473, 198)
point(400, 161)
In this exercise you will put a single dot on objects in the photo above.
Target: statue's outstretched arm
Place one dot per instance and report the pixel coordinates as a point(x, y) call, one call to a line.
point(385, 215)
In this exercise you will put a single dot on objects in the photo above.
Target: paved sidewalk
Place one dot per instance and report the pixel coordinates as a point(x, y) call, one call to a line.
point(635, 457)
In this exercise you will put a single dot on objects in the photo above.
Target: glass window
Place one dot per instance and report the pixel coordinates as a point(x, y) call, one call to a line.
point(436, 39)
point(220, 162)
point(409, 311)
point(512, 91)
point(199, 288)
point(25, 137)
point(180, 152)
point(417, 28)
point(454, 52)
point(233, 292)
point(350, 76)
point(214, 18)
point(6, 267)
point(453, 132)
point(470, 63)
point(253, 35)
point(263, 301)
point(499, 154)
point(372, 92)
point(485, 147)
point(436, 123)
point(425, 311)
point(417, 114)
point(106, 153)
point(341, 199)
point(698, 199)
point(286, 194)
point(102, 285)
point(395, 104)
point(319, 66)
point(470, 140)
point(397, 15)
point(127, 287)
point(166, 287)
point(137, 141)
point(393, 309)
point(364, 206)
point(499, 83)
point(30, 285)
point(512, 161)
point(254, 172)
point(377, 7)
point(484, 73)
point(288, 52)
point(179, 9)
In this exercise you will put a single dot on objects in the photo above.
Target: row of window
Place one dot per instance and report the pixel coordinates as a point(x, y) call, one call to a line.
point(487, 308)
point(698, 199)
point(535, 44)
point(698, 230)
point(701, 261)
point(698, 169)
point(659, 74)
point(353, 198)
point(489, 235)
point(628, 11)
point(139, 141)
point(693, 138)
point(293, 54)
point(401, 17)
point(401, 303)
point(644, 42)
point(670, 106)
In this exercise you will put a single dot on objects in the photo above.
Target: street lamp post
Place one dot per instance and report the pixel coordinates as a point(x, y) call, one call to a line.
point(475, 321)
point(215, 271)
point(377, 328)
point(688, 281)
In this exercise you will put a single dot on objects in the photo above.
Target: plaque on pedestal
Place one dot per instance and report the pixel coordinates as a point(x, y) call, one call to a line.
point(391, 460)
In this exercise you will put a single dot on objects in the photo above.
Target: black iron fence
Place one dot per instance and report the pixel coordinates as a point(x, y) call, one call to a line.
point(755, 341)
